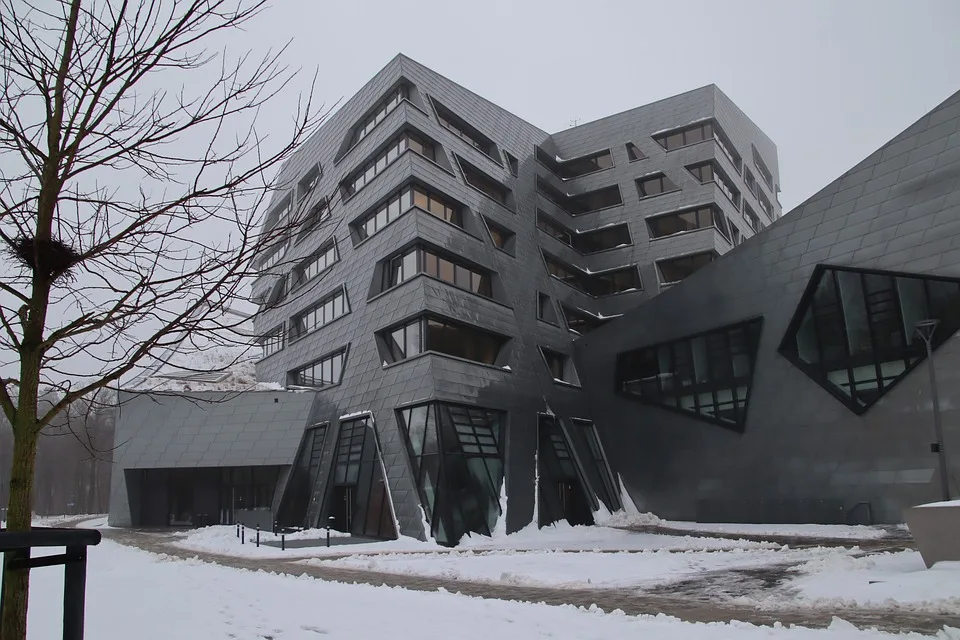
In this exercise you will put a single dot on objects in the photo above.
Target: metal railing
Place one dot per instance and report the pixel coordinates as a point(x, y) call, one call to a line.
point(16, 546)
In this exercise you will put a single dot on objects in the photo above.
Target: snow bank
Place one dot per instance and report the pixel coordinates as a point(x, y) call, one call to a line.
point(836, 531)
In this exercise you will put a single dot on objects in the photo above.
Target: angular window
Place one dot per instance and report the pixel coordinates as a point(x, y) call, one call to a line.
point(308, 182)
point(561, 366)
point(303, 478)
point(576, 167)
point(422, 259)
point(634, 153)
point(457, 458)
point(761, 166)
point(688, 220)
point(706, 130)
point(599, 469)
point(278, 213)
point(736, 238)
point(765, 205)
point(707, 376)
point(465, 131)
point(674, 270)
point(585, 242)
point(750, 181)
point(581, 203)
point(711, 172)
point(358, 501)
point(751, 217)
point(581, 322)
point(377, 115)
point(431, 333)
point(315, 216)
point(854, 332)
point(273, 256)
point(402, 201)
point(322, 313)
point(272, 341)
point(655, 185)
point(560, 485)
point(326, 371)
point(513, 163)
point(484, 183)
point(502, 237)
point(367, 172)
point(312, 267)
point(604, 283)
point(545, 309)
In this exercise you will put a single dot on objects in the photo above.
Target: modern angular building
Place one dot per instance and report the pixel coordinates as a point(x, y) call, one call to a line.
point(426, 324)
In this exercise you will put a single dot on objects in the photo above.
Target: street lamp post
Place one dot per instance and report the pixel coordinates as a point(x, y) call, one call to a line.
point(924, 329)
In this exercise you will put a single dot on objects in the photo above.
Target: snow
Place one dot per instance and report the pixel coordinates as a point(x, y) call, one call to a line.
point(134, 594)
point(836, 531)
point(897, 580)
point(583, 569)
point(356, 414)
point(945, 503)
point(236, 362)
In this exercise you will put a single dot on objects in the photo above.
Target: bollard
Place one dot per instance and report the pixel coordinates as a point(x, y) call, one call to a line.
point(329, 520)
point(238, 529)
point(258, 535)
point(283, 542)
point(243, 534)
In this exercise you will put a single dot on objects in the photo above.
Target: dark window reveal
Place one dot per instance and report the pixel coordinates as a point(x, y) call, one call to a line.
point(576, 167)
point(595, 284)
point(710, 171)
point(374, 167)
point(484, 183)
point(585, 242)
point(706, 375)
point(692, 134)
point(634, 153)
point(465, 131)
point(321, 373)
point(688, 220)
point(581, 203)
point(580, 321)
point(430, 333)
point(655, 185)
point(384, 107)
point(409, 263)
point(673, 270)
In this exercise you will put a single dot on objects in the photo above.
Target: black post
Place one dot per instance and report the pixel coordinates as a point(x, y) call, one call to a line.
point(283, 542)
point(243, 534)
point(74, 592)
point(329, 520)
point(238, 529)
point(258, 535)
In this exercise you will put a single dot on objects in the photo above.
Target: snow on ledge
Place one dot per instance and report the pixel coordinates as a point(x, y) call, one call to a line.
point(945, 503)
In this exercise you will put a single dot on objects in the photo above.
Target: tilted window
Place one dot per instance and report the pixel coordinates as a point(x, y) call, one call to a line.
point(432, 333)
point(707, 376)
point(854, 331)
point(634, 153)
point(702, 217)
point(710, 171)
point(484, 183)
point(761, 166)
point(655, 185)
point(316, 264)
point(326, 371)
point(604, 283)
point(328, 309)
point(373, 168)
point(695, 133)
point(580, 321)
point(465, 131)
point(581, 203)
point(576, 167)
point(674, 270)
point(377, 115)
point(585, 242)
point(751, 217)
point(561, 366)
point(272, 341)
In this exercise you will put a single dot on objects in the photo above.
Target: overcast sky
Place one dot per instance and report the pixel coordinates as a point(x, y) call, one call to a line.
point(828, 80)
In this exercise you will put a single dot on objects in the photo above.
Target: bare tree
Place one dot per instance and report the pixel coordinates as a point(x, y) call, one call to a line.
point(127, 209)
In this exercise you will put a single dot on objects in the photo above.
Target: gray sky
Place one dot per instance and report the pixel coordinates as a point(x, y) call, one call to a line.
point(829, 81)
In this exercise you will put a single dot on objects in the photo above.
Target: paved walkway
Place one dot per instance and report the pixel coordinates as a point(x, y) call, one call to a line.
point(688, 601)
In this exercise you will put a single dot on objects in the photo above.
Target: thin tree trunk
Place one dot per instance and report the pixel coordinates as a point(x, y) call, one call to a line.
point(16, 583)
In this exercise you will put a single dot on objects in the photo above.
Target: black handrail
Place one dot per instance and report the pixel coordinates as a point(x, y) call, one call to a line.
point(16, 546)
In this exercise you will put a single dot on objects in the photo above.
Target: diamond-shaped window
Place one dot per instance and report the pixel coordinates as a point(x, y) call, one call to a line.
point(706, 376)
point(854, 331)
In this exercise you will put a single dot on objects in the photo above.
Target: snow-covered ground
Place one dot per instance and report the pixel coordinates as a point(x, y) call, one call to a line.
point(134, 594)
point(835, 531)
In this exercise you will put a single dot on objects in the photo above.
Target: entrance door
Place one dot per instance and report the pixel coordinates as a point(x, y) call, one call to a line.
point(342, 511)
point(572, 502)
point(181, 502)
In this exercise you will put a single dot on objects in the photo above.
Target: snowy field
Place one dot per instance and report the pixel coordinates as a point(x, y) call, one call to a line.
point(134, 594)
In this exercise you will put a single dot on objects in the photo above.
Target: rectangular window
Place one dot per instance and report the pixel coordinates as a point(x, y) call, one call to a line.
point(372, 168)
point(655, 185)
point(484, 183)
point(688, 220)
point(580, 203)
point(604, 283)
point(431, 333)
point(316, 264)
point(674, 270)
point(466, 132)
point(273, 256)
point(321, 373)
point(272, 341)
point(543, 306)
point(420, 259)
point(377, 115)
point(401, 202)
point(328, 309)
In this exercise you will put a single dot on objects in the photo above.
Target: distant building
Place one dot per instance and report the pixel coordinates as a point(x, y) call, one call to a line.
point(427, 320)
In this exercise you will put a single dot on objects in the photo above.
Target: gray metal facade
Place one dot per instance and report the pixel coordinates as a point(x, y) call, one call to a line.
point(520, 383)
point(802, 453)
